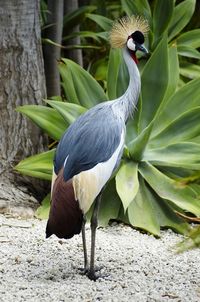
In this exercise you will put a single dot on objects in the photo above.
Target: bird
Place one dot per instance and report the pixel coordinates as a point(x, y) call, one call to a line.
point(91, 148)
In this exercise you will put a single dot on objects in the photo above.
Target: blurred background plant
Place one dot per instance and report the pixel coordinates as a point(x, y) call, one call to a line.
point(152, 188)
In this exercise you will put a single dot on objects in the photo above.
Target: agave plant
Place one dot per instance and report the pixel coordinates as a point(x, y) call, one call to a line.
point(192, 240)
point(163, 139)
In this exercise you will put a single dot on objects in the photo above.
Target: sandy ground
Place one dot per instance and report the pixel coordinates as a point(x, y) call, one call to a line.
point(138, 267)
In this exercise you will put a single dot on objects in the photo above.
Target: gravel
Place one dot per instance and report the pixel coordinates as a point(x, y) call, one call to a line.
point(137, 267)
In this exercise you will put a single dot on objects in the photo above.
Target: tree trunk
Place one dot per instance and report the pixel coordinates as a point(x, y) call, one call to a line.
point(73, 54)
point(52, 52)
point(22, 82)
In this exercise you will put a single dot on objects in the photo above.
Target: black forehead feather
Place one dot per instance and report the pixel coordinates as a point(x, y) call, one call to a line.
point(138, 37)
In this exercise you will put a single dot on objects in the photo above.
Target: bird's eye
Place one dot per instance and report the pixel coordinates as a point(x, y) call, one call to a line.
point(138, 37)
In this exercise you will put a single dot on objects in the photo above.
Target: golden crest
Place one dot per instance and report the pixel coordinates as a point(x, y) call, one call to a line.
point(124, 27)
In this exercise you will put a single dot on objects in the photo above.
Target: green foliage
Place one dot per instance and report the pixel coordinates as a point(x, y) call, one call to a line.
point(77, 16)
point(83, 88)
point(162, 143)
point(191, 241)
point(102, 21)
point(46, 118)
point(117, 76)
point(181, 16)
point(68, 111)
point(127, 183)
point(43, 211)
point(151, 92)
point(39, 165)
point(161, 24)
point(139, 7)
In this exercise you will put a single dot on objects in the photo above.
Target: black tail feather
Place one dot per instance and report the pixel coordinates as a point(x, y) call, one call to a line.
point(48, 230)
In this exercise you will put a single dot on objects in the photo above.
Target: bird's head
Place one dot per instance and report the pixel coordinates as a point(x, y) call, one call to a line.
point(129, 32)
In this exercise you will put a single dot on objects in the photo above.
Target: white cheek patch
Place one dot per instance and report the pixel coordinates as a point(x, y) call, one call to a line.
point(131, 44)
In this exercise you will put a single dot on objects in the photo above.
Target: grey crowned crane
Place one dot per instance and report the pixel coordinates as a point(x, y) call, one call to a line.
point(91, 148)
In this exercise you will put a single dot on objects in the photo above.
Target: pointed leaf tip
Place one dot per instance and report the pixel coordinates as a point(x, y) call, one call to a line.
point(127, 183)
point(79, 86)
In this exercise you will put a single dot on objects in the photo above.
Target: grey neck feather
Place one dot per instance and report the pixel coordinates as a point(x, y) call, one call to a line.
point(125, 105)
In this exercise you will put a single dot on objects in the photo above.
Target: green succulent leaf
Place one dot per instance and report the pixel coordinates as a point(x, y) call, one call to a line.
point(102, 21)
point(191, 241)
point(69, 111)
point(161, 24)
point(43, 211)
point(165, 214)
point(139, 7)
point(117, 76)
point(46, 118)
point(99, 70)
point(187, 51)
point(154, 84)
point(127, 183)
point(79, 86)
point(110, 204)
point(168, 189)
point(123, 79)
point(184, 155)
point(132, 126)
point(183, 100)
point(173, 75)
point(141, 212)
point(190, 38)
point(189, 70)
point(150, 212)
point(137, 146)
point(39, 165)
point(183, 128)
point(115, 59)
point(181, 16)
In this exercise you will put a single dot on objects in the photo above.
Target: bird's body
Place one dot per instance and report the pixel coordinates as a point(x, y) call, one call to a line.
point(85, 160)
point(86, 157)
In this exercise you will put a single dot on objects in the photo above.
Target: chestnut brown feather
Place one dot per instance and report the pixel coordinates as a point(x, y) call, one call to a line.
point(65, 217)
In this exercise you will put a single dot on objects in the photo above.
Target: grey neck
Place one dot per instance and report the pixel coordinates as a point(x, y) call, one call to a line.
point(126, 104)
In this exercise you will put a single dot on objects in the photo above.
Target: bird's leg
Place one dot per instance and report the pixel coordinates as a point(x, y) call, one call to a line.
point(94, 222)
point(84, 246)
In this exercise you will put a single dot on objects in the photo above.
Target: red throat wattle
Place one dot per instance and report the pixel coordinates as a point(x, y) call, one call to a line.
point(133, 56)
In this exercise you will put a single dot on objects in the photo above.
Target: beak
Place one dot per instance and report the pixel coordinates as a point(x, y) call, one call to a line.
point(141, 48)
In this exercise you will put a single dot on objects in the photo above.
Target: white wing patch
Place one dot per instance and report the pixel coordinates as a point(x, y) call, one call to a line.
point(88, 184)
point(66, 160)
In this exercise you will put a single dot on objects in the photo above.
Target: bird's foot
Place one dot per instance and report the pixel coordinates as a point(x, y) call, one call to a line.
point(85, 270)
point(94, 275)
